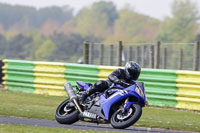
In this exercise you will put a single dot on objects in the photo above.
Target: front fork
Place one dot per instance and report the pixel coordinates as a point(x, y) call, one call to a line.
point(127, 105)
point(124, 107)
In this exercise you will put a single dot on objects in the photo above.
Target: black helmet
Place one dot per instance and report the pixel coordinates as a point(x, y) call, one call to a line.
point(132, 70)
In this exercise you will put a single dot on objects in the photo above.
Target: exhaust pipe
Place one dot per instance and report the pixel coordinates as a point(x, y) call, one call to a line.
point(70, 91)
point(72, 95)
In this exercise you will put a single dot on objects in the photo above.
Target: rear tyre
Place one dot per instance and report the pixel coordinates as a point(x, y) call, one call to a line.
point(66, 114)
point(123, 120)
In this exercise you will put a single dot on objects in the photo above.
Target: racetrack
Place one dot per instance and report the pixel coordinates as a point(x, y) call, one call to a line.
point(80, 125)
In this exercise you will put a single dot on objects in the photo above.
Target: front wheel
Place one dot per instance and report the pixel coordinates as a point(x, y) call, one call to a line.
point(123, 120)
point(66, 114)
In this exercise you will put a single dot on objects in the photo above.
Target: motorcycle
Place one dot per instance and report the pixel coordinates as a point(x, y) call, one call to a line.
point(118, 105)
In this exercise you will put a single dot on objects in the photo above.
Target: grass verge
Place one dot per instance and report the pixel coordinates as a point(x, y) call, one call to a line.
point(36, 129)
point(43, 107)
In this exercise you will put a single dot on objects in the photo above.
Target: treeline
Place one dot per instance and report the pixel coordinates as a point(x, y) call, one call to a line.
point(28, 18)
point(33, 46)
point(54, 33)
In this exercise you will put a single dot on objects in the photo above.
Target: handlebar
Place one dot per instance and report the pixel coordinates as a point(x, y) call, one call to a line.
point(113, 84)
point(125, 83)
point(122, 82)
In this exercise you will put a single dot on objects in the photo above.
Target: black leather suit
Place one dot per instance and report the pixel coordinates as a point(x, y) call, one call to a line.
point(118, 74)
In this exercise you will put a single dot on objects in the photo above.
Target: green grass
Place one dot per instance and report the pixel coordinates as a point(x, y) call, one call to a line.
point(36, 129)
point(170, 119)
point(43, 107)
point(28, 105)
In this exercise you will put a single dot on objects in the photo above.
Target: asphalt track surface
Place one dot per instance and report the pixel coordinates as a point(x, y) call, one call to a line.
point(81, 125)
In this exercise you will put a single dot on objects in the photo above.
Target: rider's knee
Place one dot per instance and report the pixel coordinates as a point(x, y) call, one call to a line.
point(101, 85)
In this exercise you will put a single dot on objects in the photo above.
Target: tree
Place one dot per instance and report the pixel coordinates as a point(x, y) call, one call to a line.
point(198, 37)
point(181, 26)
point(25, 18)
point(68, 28)
point(50, 27)
point(131, 24)
point(3, 43)
point(10, 15)
point(45, 51)
point(15, 46)
point(106, 8)
point(96, 20)
point(58, 14)
point(1, 29)
point(34, 45)
point(67, 46)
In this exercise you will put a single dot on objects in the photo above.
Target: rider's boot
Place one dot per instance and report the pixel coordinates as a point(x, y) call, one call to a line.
point(87, 93)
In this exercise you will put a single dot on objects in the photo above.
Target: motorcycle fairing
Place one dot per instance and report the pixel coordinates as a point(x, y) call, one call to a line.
point(133, 93)
point(83, 85)
point(119, 95)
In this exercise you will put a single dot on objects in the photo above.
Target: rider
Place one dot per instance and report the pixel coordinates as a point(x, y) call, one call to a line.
point(131, 72)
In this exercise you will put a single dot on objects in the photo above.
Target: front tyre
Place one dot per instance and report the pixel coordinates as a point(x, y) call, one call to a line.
point(123, 120)
point(66, 114)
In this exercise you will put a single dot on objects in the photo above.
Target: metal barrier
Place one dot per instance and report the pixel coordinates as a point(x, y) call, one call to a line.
point(179, 56)
point(166, 88)
point(188, 84)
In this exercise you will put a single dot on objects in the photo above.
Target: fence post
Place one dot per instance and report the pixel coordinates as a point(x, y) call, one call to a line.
point(101, 54)
point(130, 51)
point(180, 66)
point(86, 52)
point(143, 56)
point(151, 56)
point(196, 56)
point(157, 55)
point(111, 55)
point(119, 54)
point(165, 58)
point(91, 49)
point(137, 54)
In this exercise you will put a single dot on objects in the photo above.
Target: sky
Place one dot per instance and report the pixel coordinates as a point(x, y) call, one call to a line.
point(154, 8)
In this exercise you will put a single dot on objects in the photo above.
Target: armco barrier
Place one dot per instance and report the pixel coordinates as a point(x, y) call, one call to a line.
point(45, 77)
point(1, 72)
point(169, 88)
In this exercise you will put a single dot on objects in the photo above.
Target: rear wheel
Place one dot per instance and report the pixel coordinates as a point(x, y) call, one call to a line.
point(66, 114)
point(125, 119)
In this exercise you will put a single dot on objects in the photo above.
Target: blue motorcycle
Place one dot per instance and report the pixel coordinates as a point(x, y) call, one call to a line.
point(120, 105)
